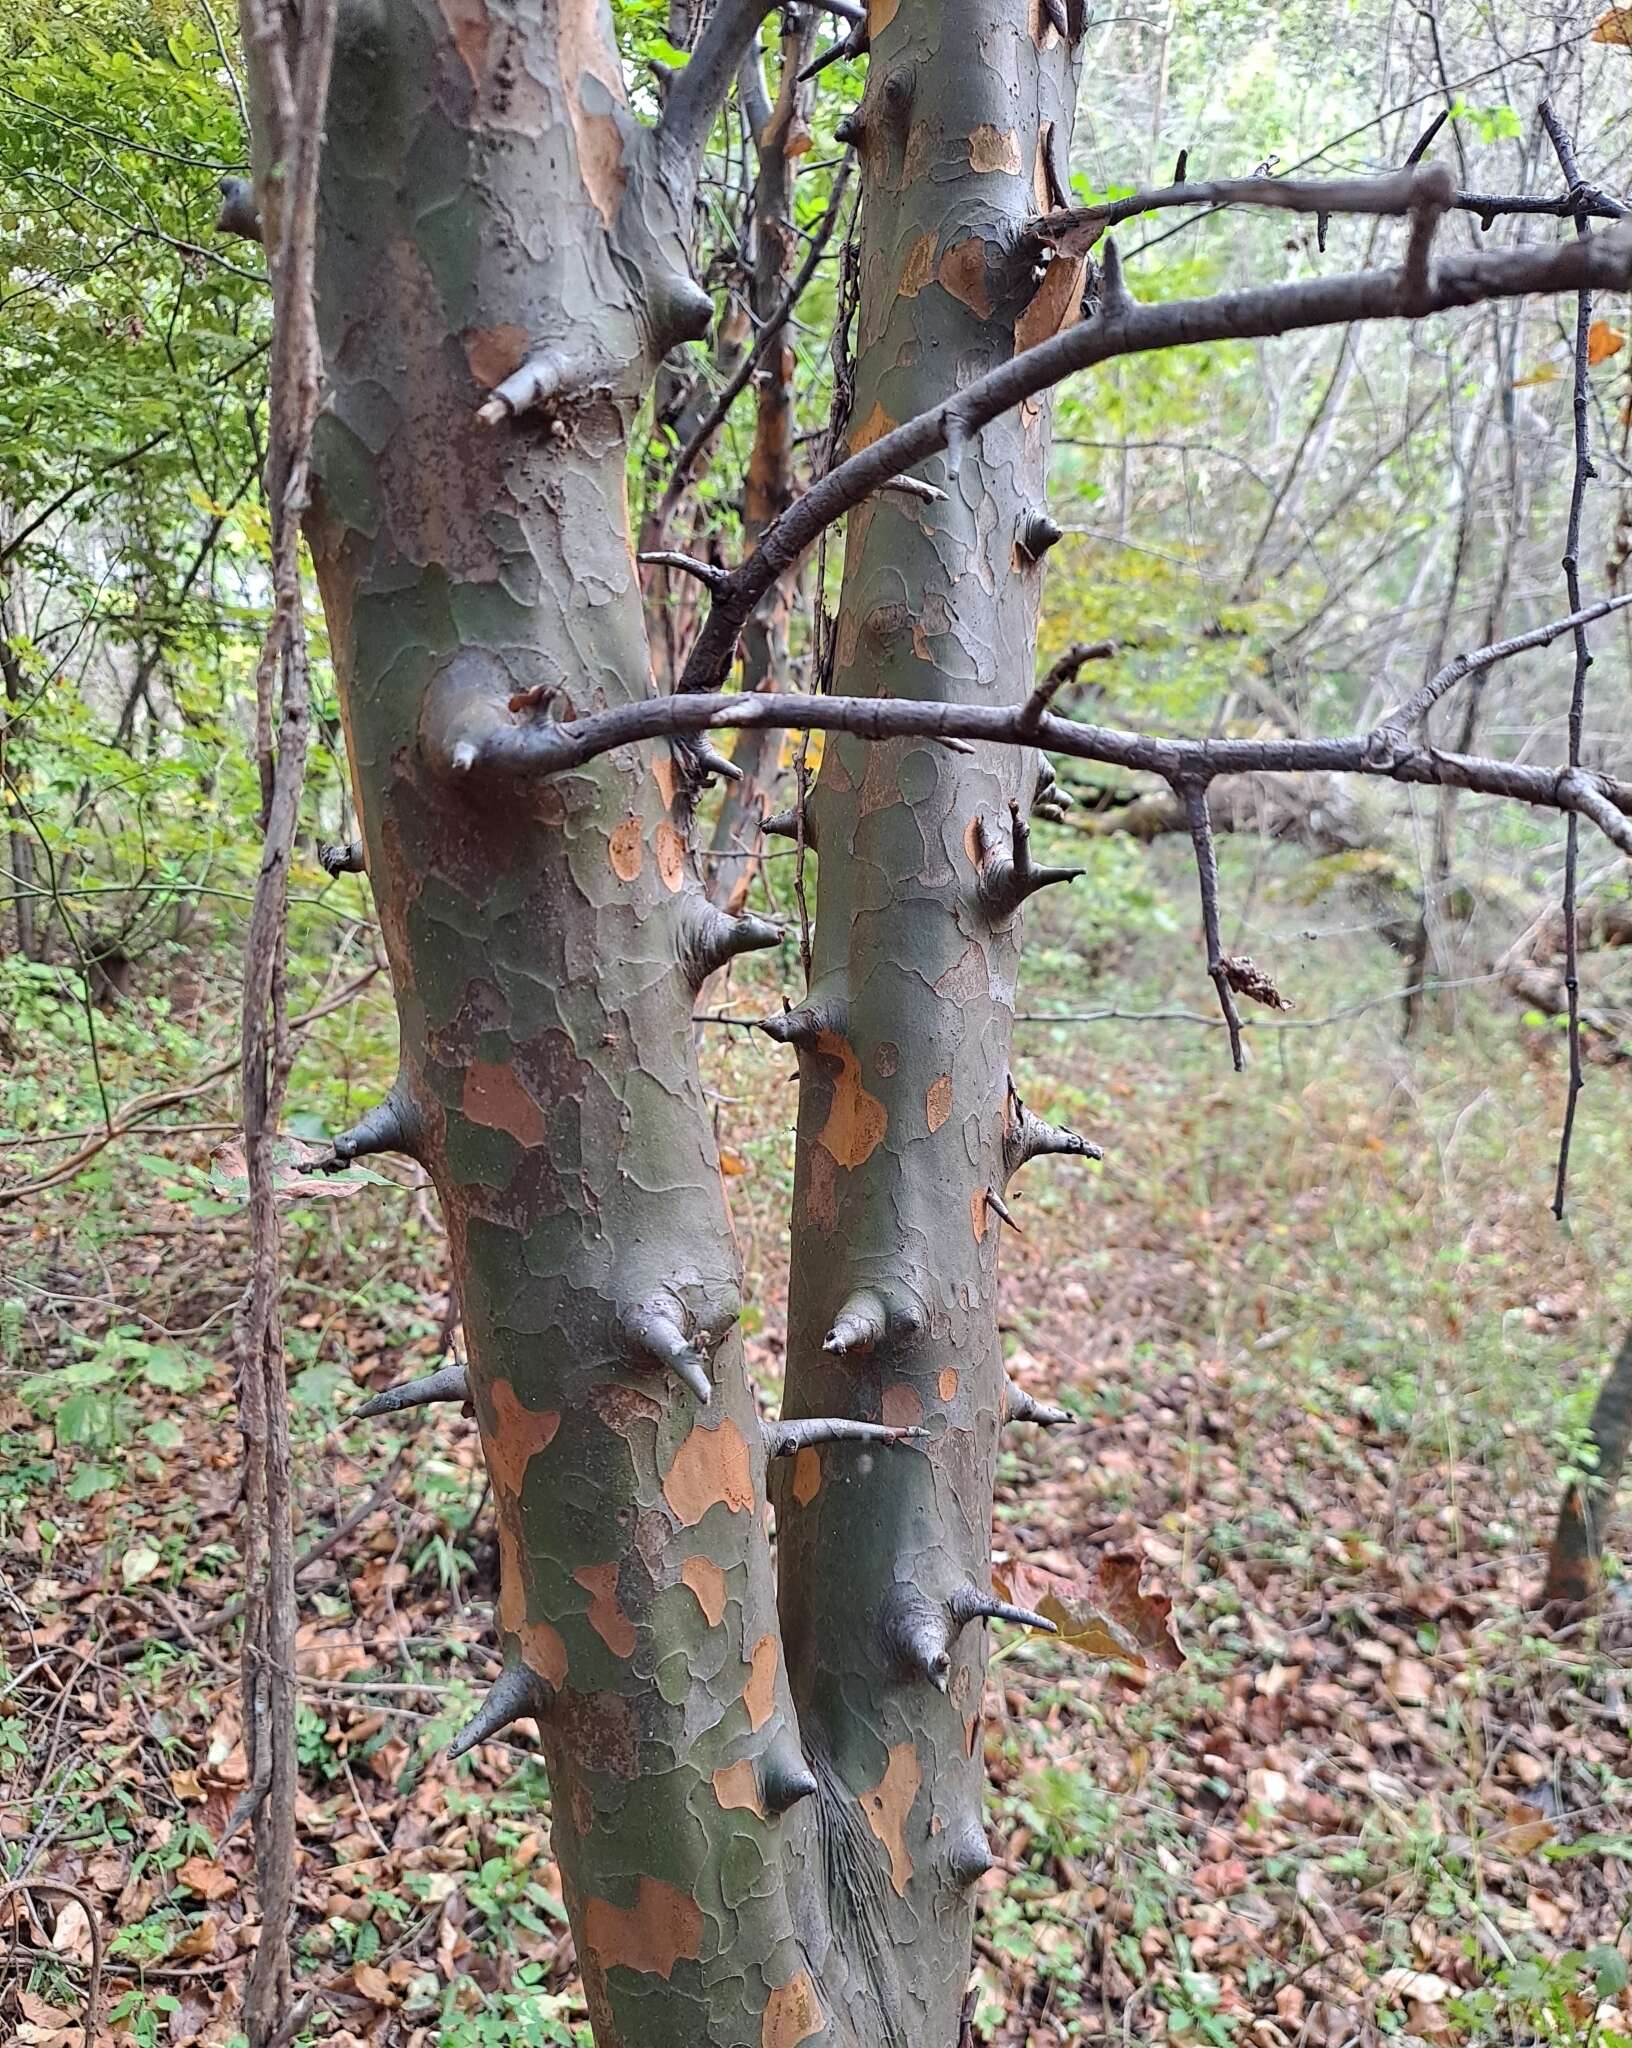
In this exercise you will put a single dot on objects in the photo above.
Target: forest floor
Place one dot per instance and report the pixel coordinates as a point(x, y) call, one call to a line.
point(1326, 1353)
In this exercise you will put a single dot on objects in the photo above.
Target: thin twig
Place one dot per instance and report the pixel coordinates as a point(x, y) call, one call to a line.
point(93, 1986)
point(1584, 472)
point(1194, 798)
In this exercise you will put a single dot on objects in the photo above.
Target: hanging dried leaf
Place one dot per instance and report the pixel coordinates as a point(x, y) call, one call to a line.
point(1603, 341)
point(1614, 27)
point(291, 1156)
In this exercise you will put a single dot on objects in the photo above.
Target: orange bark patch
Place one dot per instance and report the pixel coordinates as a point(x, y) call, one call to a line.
point(710, 1469)
point(974, 842)
point(1054, 304)
point(900, 1407)
point(606, 1616)
point(707, 1582)
point(663, 774)
point(880, 13)
point(519, 1434)
point(963, 274)
point(977, 1213)
point(887, 1806)
point(947, 1382)
point(512, 1604)
point(469, 27)
point(856, 1121)
point(994, 149)
point(938, 1102)
point(736, 1788)
point(759, 1694)
point(663, 1927)
point(600, 146)
point(873, 428)
point(543, 1651)
point(919, 268)
point(807, 1475)
point(493, 352)
point(495, 1099)
point(792, 2015)
point(671, 855)
point(625, 851)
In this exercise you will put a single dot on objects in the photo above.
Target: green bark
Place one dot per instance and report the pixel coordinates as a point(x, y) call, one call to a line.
point(905, 1098)
point(487, 195)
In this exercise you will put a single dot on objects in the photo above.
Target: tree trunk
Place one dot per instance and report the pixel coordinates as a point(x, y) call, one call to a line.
point(488, 204)
point(908, 1124)
point(1575, 1560)
point(781, 134)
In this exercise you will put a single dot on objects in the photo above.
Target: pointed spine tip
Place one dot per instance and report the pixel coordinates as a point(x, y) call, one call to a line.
point(450, 1383)
point(390, 1126)
point(709, 937)
point(1019, 1406)
point(787, 1439)
point(784, 1781)
point(341, 857)
point(1001, 1210)
point(916, 1635)
point(656, 1336)
point(967, 1605)
point(799, 1028)
point(1038, 533)
point(860, 1325)
point(516, 1694)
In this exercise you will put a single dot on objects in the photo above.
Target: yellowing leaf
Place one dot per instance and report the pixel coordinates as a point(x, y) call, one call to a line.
point(1603, 341)
point(732, 1163)
point(1546, 373)
point(1614, 27)
point(1110, 1615)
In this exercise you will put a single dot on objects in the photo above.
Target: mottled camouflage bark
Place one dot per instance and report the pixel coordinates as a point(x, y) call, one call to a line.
point(908, 1125)
point(1575, 1561)
point(487, 197)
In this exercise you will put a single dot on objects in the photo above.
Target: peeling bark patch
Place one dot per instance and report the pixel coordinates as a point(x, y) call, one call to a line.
point(663, 1927)
point(963, 274)
point(880, 13)
point(495, 1099)
point(519, 1434)
point(600, 147)
point(873, 428)
point(494, 352)
point(947, 1383)
point(710, 1469)
point(469, 27)
point(512, 1604)
point(807, 1475)
point(856, 1121)
point(994, 149)
point(707, 1583)
point(1053, 306)
point(543, 1651)
point(737, 1789)
point(606, 1616)
point(620, 1408)
point(792, 2015)
point(971, 1734)
point(901, 1407)
point(671, 855)
point(977, 1213)
point(919, 268)
point(759, 1694)
point(625, 851)
point(938, 1102)
point(886, 1807)
point(663, 774)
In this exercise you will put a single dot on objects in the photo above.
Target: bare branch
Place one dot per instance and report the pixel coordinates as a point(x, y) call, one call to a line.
point(1130, 329)
point(1194, 797)
point(700, 90)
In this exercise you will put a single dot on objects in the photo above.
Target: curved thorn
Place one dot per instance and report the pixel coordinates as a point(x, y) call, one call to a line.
point(793, 1027)
point(966, 1605)
point(860, 1325)
point(1027, 1137)
point(1000, 1209)
point(708, 759)
point(341, 857)
point(853, 45)
point(916, 1635)
point(450, 1383)
point(1007, 880)
point(516, 1694)
point(785, 1783)
point(785, 825)
point(709, 936)
point(1038, 533)
point(785, 1439)
point(390, 1126)
point(1055, 10)
point(969, 1855)
point(1019, 1406)
point(656, 1338)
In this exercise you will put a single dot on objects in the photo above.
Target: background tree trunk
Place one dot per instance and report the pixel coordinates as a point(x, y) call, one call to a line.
point(1575, 1562)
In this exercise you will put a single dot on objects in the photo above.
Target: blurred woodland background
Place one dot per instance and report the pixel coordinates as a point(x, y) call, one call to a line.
point(1329, 1357)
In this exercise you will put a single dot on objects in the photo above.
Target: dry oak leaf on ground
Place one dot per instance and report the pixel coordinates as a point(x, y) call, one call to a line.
point(1110, 1613)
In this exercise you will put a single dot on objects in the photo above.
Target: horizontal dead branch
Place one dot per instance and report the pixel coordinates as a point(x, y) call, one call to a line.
point(552, 748)
point(1123, 327)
